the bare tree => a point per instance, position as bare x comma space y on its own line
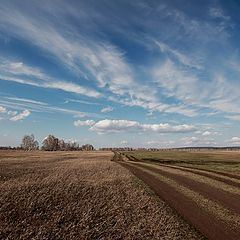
29, 143
50, 143
71, 145
62, 145
87, 147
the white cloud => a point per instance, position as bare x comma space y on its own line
217, 12
21, 115
166, 127
206, 133
160, 143
115, 126
106, 125
12, 113
2, 109
234, 117
124, 142
153, 142
175, 81
79, 123
235, 140
183, 59
197, 141
190, 140
107, 109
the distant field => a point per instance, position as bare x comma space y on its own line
203, 187
80, 195
215, 160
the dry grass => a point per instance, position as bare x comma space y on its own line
80, 195
228, 161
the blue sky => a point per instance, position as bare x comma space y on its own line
121, 73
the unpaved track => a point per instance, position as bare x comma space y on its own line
212, 226
231, 175
229, 200
226, 179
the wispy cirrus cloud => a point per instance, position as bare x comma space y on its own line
180, 57
26, 100
107, 109
160, 58
16, 103
217, 12
217, 93
90, 58
69, 100
24, 74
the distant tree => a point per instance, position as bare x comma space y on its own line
50, 143
72, 145
87, 147
29, 143
62, 145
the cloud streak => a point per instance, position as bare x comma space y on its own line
24, 74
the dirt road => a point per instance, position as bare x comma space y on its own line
208, 200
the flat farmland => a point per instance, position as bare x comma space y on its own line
203, 187
80, 195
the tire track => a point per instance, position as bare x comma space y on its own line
212, 226
217, 172
202, 179
230, 201
225, 179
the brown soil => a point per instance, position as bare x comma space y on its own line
212, 227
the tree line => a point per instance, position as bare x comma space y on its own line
52, 143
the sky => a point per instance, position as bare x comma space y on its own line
121, 73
